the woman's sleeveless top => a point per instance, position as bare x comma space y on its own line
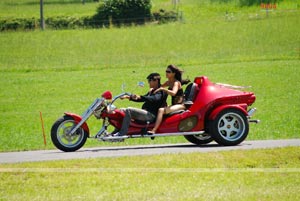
178, 98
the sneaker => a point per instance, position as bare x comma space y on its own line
115, 138
117, 134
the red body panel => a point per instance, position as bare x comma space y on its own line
209, 100
77, 119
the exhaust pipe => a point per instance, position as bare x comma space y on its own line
254, 121
251, 112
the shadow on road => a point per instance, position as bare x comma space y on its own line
150, 147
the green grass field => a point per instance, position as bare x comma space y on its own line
56, 71
271, 174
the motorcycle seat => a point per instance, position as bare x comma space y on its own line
189, 94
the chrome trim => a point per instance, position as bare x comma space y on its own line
109, 138
254, 121
232, 86
251, 112
87, 114
119, 96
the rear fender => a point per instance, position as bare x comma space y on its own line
217, 110
77, 119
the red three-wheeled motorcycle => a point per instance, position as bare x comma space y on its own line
218, 112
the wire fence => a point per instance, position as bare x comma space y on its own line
177, 13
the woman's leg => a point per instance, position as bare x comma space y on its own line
174, 108
163, 111
159, 118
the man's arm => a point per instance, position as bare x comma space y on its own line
153, 98
133, 97
137, 98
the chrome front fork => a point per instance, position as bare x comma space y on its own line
86, 115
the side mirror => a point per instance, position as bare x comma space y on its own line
141, 84
123, 87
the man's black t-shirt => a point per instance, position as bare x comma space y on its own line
153, 101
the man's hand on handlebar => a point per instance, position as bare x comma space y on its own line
133, 97
125, 97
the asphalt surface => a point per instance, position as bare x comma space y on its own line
100, 152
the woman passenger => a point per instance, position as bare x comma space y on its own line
174, 84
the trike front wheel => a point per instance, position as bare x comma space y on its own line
62, 139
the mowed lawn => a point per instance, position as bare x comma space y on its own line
65, 70
271, 174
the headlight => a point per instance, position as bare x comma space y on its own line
111, 108
97, 112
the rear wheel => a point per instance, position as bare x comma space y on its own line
62, 139
199, 139
230, 127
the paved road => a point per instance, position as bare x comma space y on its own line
98, 152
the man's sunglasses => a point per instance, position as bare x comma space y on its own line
151, 79
168, 71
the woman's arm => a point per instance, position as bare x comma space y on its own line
172, 92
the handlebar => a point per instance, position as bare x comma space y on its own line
119, 96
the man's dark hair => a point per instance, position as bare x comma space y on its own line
154, 76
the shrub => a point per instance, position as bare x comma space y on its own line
17, 23
120, 12
116, 12
61, 22
163, 16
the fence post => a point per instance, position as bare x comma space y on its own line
175, 3
42, 14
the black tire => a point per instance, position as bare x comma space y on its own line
230, 127
199, 139
67, 143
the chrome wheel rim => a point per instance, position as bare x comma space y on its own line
65, 138
231, 126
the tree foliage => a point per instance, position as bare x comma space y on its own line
120, 12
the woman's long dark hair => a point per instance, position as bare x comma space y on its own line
178, 74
